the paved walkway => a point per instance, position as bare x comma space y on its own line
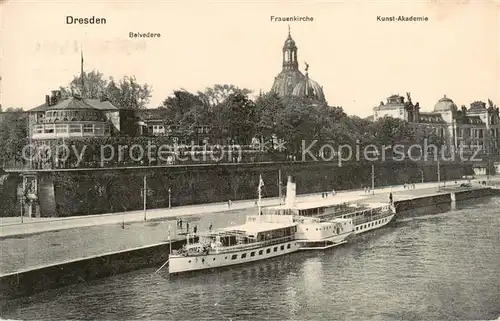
10, 226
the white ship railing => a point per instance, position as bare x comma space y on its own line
371, 218
374, 211
240, 247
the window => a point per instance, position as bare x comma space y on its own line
88, 129
260, 252
38, 129
234, 257
61, 129
75, 128
275, 249
268, 251
244, 255
282, 247
252, 254
288, 246
99, 129
49, 129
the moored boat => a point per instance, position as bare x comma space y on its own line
374, 216
312, 232
365, 217
261, 237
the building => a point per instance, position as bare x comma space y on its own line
465, 129
74, 116
290, 82
70, 117
157, 123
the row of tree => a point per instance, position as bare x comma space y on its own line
229, 112
233, 117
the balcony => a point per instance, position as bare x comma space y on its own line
70, 129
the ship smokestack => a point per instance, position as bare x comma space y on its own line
290, 193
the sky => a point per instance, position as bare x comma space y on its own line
358, 60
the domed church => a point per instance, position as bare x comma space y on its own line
290, 81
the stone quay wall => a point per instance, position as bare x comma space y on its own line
85, 192
36, 280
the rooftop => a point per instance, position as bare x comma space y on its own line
254, 228
329, 202
75, 103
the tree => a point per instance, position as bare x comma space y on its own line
127, 93
269, 110
393, 131
186, 109
13, 134
237, 114
92, 86
219, 93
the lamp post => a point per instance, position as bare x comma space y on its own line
22, 213
279, 186
373, 179
422, 175
439, 176
144, 195
169, 198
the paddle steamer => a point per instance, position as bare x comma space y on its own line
261, 237
313, 233
334, 209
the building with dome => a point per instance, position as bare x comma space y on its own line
465, 129
291, 82
74, 116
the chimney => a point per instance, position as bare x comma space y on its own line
290, 193
47, 100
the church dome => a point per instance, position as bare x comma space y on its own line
286, 81
444, 104
308, 88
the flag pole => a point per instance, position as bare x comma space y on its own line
81, 74
260, 193
169, 240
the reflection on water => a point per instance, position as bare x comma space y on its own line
431, 264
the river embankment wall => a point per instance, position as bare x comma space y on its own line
30, 281
98, 191
444, 197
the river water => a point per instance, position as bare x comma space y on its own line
430, 264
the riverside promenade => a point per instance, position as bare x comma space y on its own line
46, 241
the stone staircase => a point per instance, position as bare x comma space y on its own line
46, 197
